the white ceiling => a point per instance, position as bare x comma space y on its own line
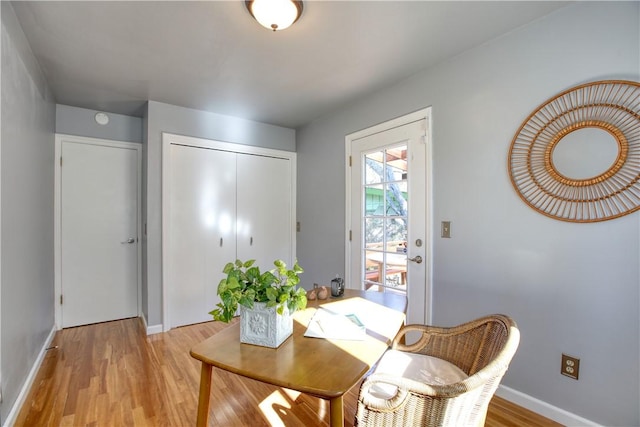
212, 55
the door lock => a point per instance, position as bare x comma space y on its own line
128, 241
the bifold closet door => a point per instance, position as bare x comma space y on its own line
202, 229
264, 222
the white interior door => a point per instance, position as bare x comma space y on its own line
264, 210
202, 232
98, 233
389, 248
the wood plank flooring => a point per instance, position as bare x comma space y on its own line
112, 374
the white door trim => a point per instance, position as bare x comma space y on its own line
59, 139
167, 140
424, 114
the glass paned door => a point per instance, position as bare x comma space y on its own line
385, 202
388, 249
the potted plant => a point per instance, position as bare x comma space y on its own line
266, 300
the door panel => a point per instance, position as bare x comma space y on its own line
264, 210
202, 232
388, 214
99, 236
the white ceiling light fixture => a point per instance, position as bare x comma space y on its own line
275, 15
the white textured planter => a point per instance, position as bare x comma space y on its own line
264, 326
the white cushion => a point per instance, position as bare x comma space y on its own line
418, 367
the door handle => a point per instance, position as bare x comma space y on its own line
417, 259
128, 241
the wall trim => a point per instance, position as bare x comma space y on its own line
543, 408
153, 329
28, 382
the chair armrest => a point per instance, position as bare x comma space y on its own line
406, 387
426, 333
377, 403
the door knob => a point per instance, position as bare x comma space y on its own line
417, 259
129, 241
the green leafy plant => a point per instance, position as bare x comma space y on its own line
245, 284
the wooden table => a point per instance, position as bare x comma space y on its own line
323, 368
396, 264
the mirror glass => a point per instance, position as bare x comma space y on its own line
585, 153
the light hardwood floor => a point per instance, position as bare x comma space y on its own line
112, 374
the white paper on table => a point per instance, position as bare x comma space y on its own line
329, 325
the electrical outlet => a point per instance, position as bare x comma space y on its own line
570, 366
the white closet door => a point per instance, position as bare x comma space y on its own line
202, 229
264, 209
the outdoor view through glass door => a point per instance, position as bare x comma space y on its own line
385, 219
389, 247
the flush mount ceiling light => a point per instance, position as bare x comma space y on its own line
275, 15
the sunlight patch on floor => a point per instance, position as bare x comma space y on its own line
275, 405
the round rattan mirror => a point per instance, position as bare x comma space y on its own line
577, 157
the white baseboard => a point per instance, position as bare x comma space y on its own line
26, 386
153, 329
543, 408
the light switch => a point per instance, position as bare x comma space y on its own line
446, 229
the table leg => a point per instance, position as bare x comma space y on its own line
336, 411
205, 394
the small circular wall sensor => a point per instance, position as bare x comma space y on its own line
101, 118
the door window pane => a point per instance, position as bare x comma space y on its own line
396, 198
373, 168
396, 234
396, 163
374, 200
374, 233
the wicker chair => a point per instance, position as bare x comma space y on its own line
482, 349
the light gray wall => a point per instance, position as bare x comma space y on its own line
28, 123
81, 121
572, 288
160, 118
